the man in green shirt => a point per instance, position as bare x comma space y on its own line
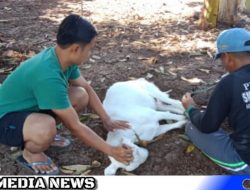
49, 86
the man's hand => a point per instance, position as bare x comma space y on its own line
187, 101
110, 124
122, 154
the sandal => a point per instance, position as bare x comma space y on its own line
21, 161
60, 141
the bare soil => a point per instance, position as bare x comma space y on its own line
158, 40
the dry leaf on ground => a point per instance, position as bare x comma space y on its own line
193, 81
190, 148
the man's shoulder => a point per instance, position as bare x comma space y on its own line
43, 63
226, 80
43, 53
42, 59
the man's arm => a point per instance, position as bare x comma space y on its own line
96, 105
217, 110
94, 101
71, 120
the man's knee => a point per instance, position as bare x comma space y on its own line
39, 128
79, 98
193, 133
48, 131
189, 129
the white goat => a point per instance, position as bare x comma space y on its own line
143, 105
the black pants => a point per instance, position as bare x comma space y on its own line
11, 127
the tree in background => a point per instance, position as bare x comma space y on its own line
220, 11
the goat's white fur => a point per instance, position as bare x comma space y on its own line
143, 105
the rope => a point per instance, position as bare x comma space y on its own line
207, 88
202, 90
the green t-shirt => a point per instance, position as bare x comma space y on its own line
38, 83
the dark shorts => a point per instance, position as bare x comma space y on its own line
11, 127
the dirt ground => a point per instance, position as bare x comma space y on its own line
158, 40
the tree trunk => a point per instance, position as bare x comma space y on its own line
220, 11
228, 11
208, 18
248, 6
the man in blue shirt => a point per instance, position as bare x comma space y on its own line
230, 99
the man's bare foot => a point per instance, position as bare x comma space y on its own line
39, 167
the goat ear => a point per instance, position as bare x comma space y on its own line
122, 140
127, 142
110, 170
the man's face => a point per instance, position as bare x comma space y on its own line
81, 54
227, 62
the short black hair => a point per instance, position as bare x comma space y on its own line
75, 29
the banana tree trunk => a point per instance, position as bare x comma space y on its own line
212, 7
220, 11
209, 14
